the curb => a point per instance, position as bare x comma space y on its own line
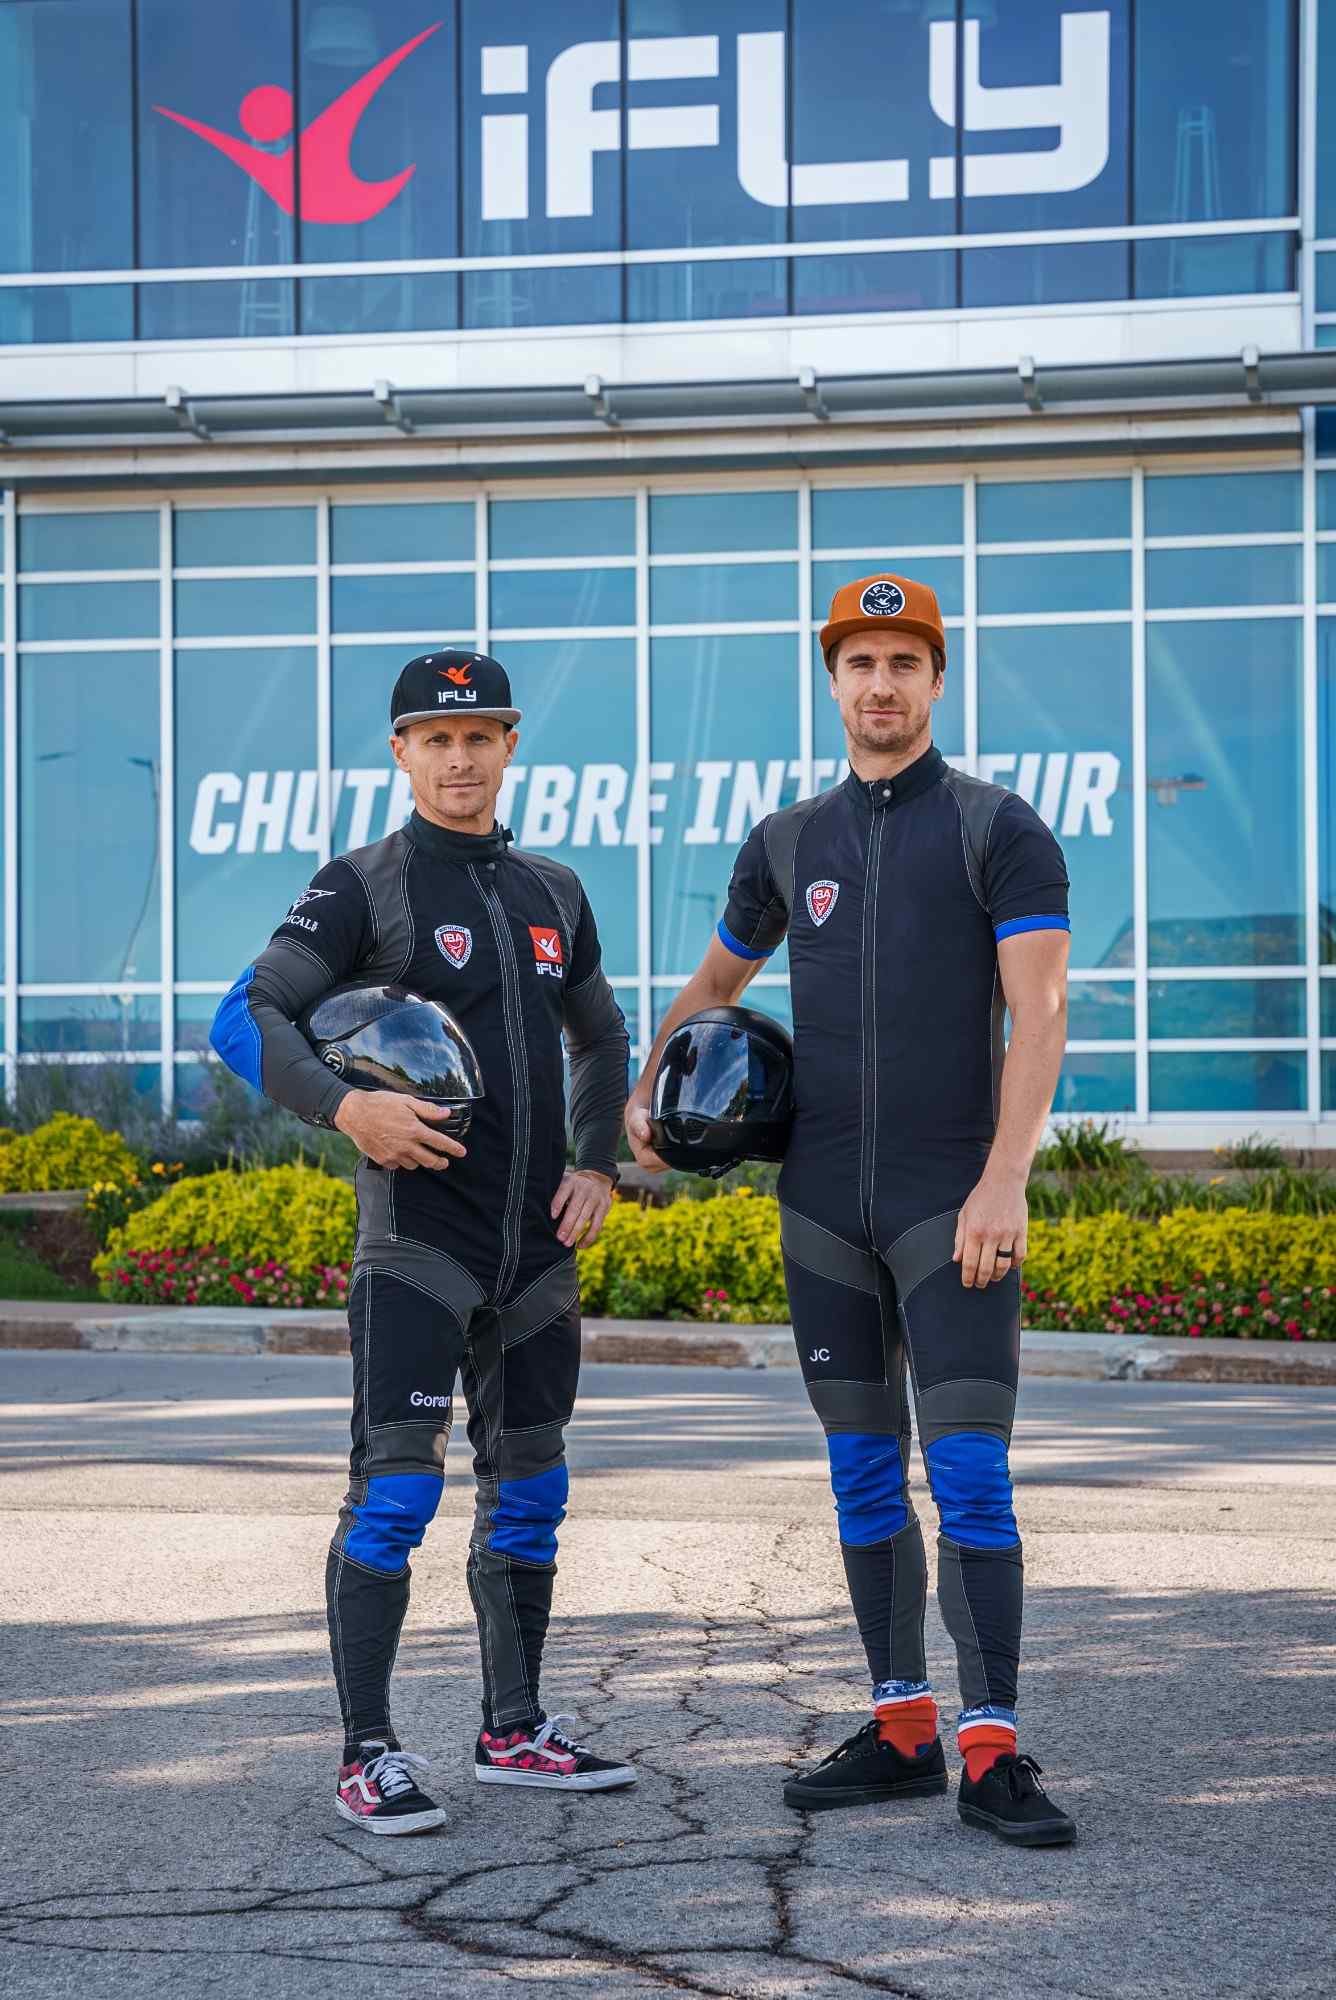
244, 1330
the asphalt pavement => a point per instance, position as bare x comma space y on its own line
172, 1730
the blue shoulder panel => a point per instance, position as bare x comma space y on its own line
1014, 925
735, 945
234, 1035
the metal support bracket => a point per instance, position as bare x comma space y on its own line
596, 390
1252, 374
183, 410
391, 408
809, 390
1029, 382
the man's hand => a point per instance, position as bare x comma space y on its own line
393, 1130
993, 1221
637, 1133
580, 1206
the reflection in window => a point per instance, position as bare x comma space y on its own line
1215, 111
1224, 756
1223, 503
430, 531
88, 541
77, 612
723, 593
94, 1023
869, 517
1053, 510
1228, 1080
32, 314
1326, 795
1101, 1010
217, 311
904, 281
1096, 580
247, 835
243, 537
727, 288
540, 600
89, 756
562, 528
220, 608
1210, 1009
1042, 274
1055, 724
1096, 1083
706, 523
1186, 267
1196, 578
404, 604
65, 150
416, 302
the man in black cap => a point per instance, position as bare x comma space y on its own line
465, 1256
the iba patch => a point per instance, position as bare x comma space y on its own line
882, 600
821, 901
546, 950
455, 944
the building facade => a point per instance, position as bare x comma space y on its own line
611, 338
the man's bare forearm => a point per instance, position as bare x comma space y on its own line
1029, 1079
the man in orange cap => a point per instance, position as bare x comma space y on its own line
919, 905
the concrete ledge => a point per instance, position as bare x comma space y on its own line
106, 1329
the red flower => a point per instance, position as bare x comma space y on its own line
1292, 1328
1195, 1332
1264, 1298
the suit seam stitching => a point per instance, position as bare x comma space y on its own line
370, 899
827, 1277
386, 1271
964, 852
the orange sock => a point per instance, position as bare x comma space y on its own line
908, 1726
982, 1744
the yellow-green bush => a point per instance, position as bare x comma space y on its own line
1087, 1260
662, 1260
291, 1215
66, 1152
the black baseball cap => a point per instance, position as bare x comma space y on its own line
451, 682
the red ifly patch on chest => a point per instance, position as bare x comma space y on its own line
547, 956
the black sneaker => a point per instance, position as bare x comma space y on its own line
864, 1771
377, 1791
545, 1755
1009, 1800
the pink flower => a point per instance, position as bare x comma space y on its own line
1194, 1332
1292, 1327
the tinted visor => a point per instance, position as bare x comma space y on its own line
710, 1070
413, 1046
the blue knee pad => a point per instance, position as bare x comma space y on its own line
868, 1479
971, 1483
528, 1513
390, 1523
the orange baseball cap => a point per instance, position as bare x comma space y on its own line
883, 603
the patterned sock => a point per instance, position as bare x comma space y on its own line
984, 1735
907, 1722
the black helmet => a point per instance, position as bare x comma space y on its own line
723, 1091
386, 1038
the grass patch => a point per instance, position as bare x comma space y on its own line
24, 1275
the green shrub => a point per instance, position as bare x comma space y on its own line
66, 1152
1089, 1261
293, 1216
662, 1259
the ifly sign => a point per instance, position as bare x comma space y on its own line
543, 125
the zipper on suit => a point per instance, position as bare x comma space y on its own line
868, 1148
514, 1019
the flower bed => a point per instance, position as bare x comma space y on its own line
207, 1278
276, 1231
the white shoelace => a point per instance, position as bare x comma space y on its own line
559, 1731
393, 1771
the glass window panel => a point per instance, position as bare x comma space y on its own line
399, 198
1224, 503
417, 302
828, 745
570, 794
89, 757
1210, 1009
1040, 274
215, 147
32, 314
905, 281
1326, 794
709, 696
1327, 993
1013, 177
1326, 498
723, 593
246, 833
1329, 1079
1186, 267
218, 309
687, 523
1324, 421
403, 603
1324, 336
1090, 581
1093, 1084
944, 574
194, 1018
244, 537
196, 1087
112, 1080
65, 140
1054, 510
1325, 135
96, 1023
1214, 110
82, 611
727, 288
1192, 577
370, 798
772, 1000
546, 598
1228, 1080
1225, 781
1324, 296
561, 528
430, 532
1326, 572
873, 517
1055, 724
517, 207
88, 541
1101, 1010
214, 607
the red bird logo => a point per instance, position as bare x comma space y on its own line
330, 190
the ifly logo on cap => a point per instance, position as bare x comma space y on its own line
882, 600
